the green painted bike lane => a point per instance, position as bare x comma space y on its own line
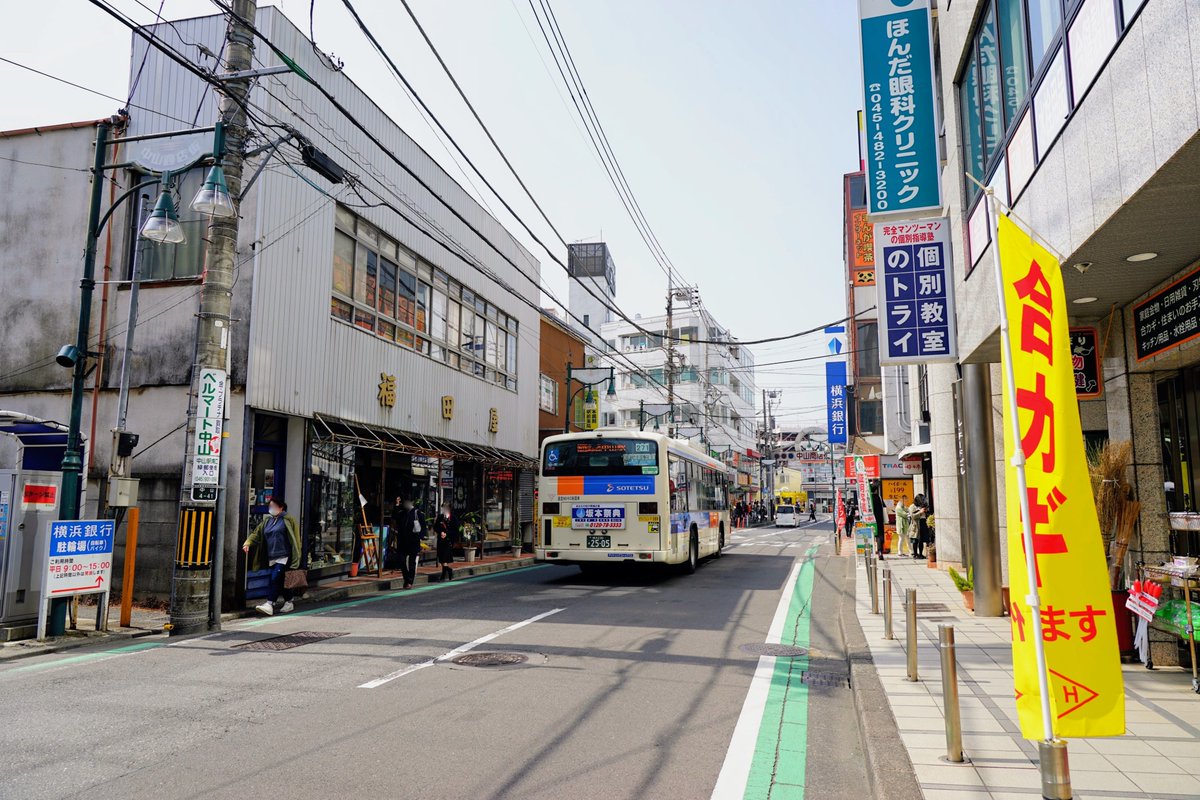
777, 769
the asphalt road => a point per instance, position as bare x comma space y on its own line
632, 685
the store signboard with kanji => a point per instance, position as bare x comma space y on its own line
916, 292
902, 166
210, 418
1085, 361
1079, 633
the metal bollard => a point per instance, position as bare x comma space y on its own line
887, 604
873, 577
1056, 772
910, 635
954, 751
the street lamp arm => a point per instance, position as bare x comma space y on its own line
116, 203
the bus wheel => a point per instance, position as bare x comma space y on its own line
721, 540
693, 561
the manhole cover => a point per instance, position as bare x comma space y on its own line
925, 608
288, 641
490, 659
836, 679
777, 650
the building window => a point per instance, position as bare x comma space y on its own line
870, 417
547, 394
167, 262
866, 342
383, 289
587, 321
1050, 49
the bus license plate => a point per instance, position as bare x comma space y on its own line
599, 541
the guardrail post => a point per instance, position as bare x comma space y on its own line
910, 634
887, 603
954, 751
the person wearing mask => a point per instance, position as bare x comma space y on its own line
904, 526
408, 540
446, 533
277, 547
880, 519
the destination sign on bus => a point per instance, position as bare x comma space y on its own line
594, 516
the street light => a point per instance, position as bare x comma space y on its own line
213, 198
163, 224
165, 229
574, 374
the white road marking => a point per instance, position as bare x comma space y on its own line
458, 651
731, 782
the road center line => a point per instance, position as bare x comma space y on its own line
731, 782
458, 651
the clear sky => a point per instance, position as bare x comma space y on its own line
733, 122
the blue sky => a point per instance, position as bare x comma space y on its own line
733, 122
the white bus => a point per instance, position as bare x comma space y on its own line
617, 495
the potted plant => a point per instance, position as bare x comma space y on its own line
469, 535
931, 548
965, 585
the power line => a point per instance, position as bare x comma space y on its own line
636, 213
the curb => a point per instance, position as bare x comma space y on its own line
890, 773
71, 643
379, 586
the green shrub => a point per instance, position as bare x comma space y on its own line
966, 584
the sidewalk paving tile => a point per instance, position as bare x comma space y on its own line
1159, 757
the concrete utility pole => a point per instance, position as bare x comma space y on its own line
670, 357
196, 587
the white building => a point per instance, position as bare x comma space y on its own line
713, 382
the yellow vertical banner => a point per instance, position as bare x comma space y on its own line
1078, 629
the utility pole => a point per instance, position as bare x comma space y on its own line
196, 587
670, 356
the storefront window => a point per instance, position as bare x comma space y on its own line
498, 503
333, 509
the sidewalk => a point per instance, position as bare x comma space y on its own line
1159, 757
149, 622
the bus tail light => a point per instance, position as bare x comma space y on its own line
644, 556
650, 507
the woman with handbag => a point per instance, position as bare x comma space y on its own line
446, 533
277, 547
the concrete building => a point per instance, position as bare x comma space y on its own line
713, 382
369, 353
1083, 116
593, 289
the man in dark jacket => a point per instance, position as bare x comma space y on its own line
408, 534
880, 518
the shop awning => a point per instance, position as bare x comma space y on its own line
916, 450
329, 429
43, 442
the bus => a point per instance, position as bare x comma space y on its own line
614, 495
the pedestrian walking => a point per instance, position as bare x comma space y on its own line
880, 520
446, 534
920, 516
277, 547
903, 526
409, 533
812, 511
851, 516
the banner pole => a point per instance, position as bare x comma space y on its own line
1018, 462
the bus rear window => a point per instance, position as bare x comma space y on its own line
601, 457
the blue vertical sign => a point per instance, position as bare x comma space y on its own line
915, 280
902, 169
835, 404
835, 383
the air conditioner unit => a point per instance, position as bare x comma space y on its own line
630, 423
